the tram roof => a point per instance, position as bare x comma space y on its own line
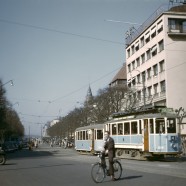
153, 112
92, 126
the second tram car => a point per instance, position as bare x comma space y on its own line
139, 135
89, 138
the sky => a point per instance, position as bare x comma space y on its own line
53, 50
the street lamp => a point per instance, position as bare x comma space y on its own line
10, 81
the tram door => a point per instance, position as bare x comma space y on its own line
146, 135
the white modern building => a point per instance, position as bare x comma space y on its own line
156, 58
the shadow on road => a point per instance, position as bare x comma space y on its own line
25, 153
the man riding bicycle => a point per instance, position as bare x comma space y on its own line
109, 150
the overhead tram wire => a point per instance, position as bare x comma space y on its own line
85, 86
58, 31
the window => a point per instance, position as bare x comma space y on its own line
148, 54
177, 25
137, 46
99, 134
140, 127
149, 92
129, 68
81, 135
160, 126
138, 79
138, 62
120, 128
139, 95
128, 52
154, 50
127, 128
84, 135
171, 125
155, 70
113, 129
147, 37
172, 24
161, 45
162, 66
160, 26
132, 49
133, 65
153, 32
134, 82
156, 89
163, 86
151, 126
149, 73
143, 77
134, 127
143, 58
142, 41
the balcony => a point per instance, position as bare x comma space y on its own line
178, 30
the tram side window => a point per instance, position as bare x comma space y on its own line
160, 126
113, 129
127, 128
89, 133
140, 127
120, 128
171, 125
99, 134
86, 135
83, 135
151, 126
134, 127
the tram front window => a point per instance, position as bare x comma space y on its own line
99, 134
160, 126
171, 125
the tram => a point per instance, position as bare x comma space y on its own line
89, 138
142, 134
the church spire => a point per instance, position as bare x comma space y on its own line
89, 95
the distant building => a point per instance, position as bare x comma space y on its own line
53, 122
155, 58
120, 78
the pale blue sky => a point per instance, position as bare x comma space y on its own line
53, 50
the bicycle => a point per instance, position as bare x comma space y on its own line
100, 171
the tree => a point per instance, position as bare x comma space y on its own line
98, 109
10, 124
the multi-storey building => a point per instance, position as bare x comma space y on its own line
156, 58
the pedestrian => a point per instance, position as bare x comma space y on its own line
109, 150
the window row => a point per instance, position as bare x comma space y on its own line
150, 34
87, 135
151, 92
146, 56
155, 126
148, 74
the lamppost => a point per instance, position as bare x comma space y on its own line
10, 81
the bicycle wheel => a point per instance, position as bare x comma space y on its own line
97, 173
117, 170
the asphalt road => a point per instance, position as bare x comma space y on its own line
56, 166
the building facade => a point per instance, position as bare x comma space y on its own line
156, 59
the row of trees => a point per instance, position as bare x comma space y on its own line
98, 109
10, 124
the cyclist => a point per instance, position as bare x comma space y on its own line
109, 150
